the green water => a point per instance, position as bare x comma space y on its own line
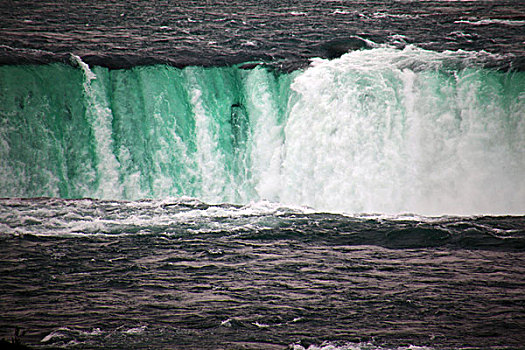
145, 132
337, 136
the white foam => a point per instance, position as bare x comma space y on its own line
210, 161
260, 325
138, 217
394, 15
380, 131
267, 138
355, 346
481, 22
64, 332
226, 323
135, 331
342, 12
55, 334
100, 116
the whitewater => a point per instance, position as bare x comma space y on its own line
375, 131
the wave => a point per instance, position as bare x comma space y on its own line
489, 21
379, 130
355, 346
182, 218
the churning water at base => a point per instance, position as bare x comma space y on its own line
380, 130
182, 274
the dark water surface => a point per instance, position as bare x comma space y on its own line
286, 33
185, 275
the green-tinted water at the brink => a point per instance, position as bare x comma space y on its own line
345, 135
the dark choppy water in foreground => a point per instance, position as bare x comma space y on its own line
185, 275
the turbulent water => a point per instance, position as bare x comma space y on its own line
262, 175
182, 274
381, 130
